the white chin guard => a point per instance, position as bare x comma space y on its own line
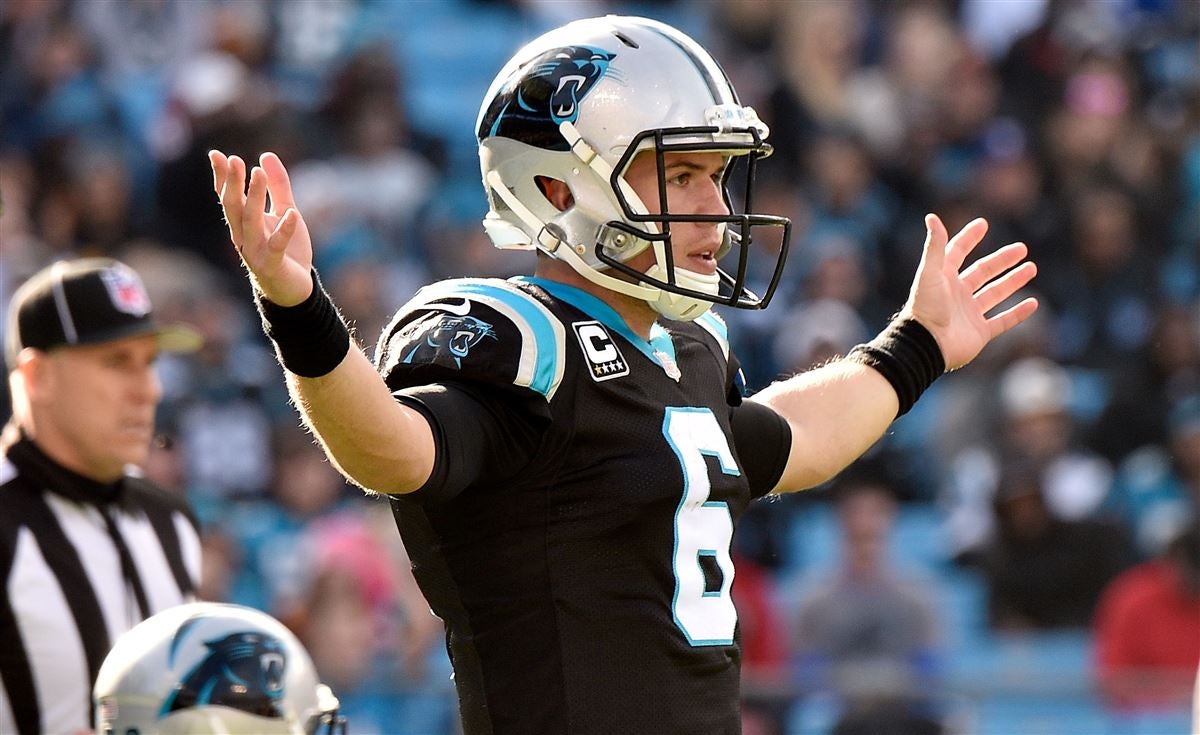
683, 308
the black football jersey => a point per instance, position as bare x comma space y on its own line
575, 535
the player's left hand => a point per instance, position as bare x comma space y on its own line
952, 303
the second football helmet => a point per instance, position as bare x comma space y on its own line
213, 669
577, 105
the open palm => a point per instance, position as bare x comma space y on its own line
953, 303
273, 243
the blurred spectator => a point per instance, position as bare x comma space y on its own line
848, 201
361, 542
818, 46
1148, 629
964, 121
819, 330
214, 100
140, 40
866, 633
368, 628
369, 287
1144, 389
1010, 185
765, 694
373, 178
968, 411
1101, 290
1094, 113
225, 400
99, 188
836, 267
1158, 487
746, 38
1043, 572
272, 533
1037, 430
1179, 273
994, 26
219, 563
339, 632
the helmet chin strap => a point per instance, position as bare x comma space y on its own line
677, 306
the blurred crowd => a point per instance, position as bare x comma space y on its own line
1059, 475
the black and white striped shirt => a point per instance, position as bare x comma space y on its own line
81, 563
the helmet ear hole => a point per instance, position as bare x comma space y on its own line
556, 192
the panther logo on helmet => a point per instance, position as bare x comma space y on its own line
244, 671
212, 669
545, 93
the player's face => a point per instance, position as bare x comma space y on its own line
98, 405
693, 187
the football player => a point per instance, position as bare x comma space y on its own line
569, 452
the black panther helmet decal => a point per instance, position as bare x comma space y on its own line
244, 671
544, 93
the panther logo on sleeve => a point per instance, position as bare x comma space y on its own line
479, 330
544, 93
456, 333
244, 671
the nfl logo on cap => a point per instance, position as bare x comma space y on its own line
86, 301
126, 290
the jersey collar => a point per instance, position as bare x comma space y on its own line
659, 349
50, 476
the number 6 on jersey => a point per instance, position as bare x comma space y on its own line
703, 528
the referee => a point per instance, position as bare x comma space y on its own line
87, 547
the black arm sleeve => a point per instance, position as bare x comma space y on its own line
477, 435
763, 440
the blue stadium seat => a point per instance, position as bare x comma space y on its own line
1050, 715
1033, 663
917, 544
1150, 723
814, 538
961, 599
919, 538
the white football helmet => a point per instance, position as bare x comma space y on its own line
215, 669
576, 105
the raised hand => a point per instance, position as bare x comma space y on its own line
953, 305
273, 243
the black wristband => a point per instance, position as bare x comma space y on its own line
907, 355
310, 338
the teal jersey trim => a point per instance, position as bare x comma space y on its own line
715, 326
660, 339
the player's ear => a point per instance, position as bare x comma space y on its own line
32, 374
556, 192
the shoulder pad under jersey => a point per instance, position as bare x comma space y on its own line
476, 330
712, 323
735, 381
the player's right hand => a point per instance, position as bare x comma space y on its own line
274, 244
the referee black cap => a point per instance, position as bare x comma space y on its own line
85, 302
